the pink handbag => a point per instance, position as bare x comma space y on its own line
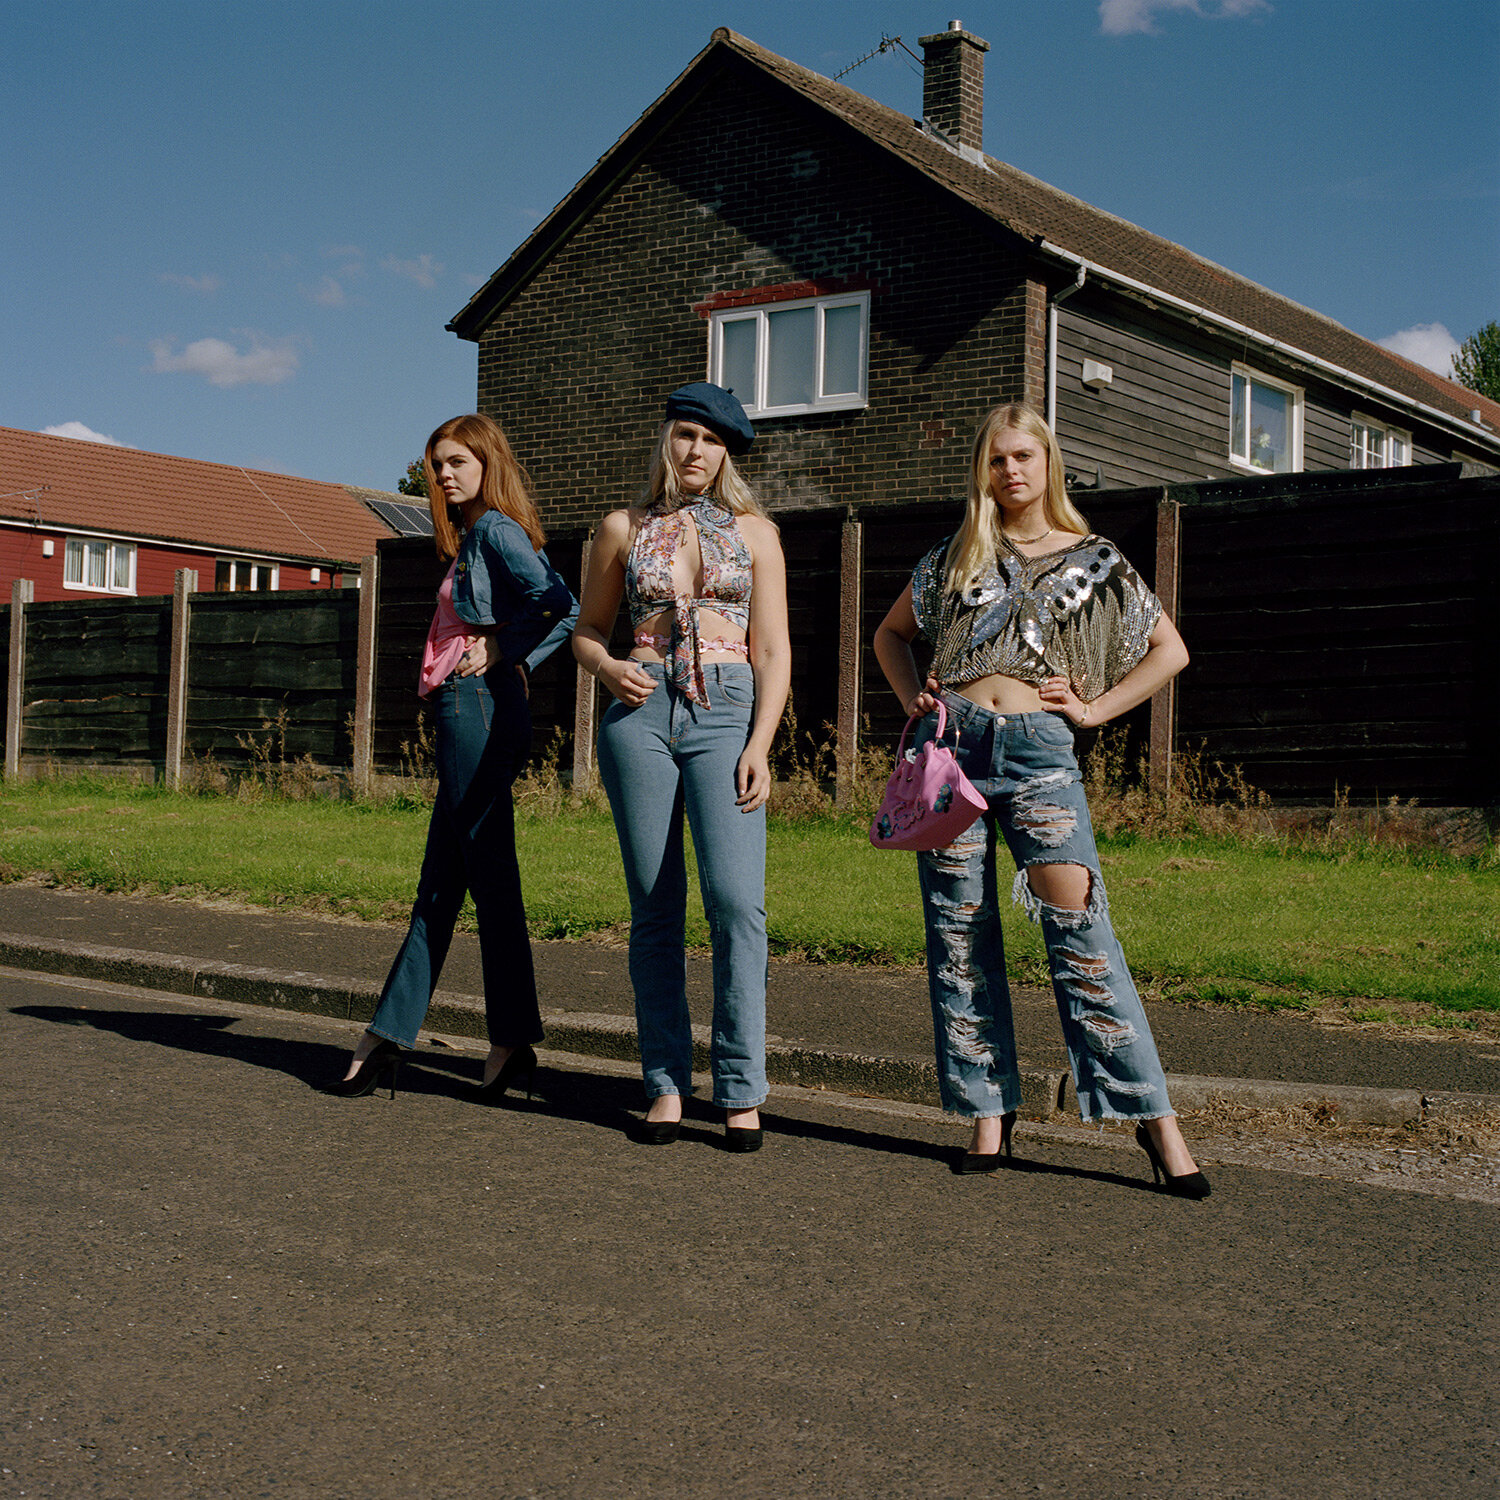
928, 800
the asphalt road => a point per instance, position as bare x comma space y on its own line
220, 1282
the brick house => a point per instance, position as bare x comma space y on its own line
873, 283
83, 519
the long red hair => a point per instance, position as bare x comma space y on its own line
505, 487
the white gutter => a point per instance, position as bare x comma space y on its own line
1440, 418
1061, 297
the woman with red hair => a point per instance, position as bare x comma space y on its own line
501, 611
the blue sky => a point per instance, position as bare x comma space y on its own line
235, 230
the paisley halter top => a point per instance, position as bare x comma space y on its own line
727, 574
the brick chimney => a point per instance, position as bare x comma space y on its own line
953, 84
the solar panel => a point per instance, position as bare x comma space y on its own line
406, 520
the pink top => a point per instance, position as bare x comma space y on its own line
447, 639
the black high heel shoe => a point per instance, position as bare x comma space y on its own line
1185, 1185
743, 1139
988, 1161
381, 1066
521, 1060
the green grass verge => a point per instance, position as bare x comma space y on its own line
1208, 919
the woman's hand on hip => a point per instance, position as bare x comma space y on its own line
752, 780
479, 656
1058, 697
628, 680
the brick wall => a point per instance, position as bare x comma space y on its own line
751, 190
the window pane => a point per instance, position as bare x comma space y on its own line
1238, 401
122, 569
1270, 429
737, 364
841, 351
1362, 456
73, 562
793, 340
94, 552
223, 575
1400, 453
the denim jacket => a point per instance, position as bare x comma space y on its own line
500, 582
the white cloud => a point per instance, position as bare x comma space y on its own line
1428, 344
267, 362
1124, 17
424, 270
351, 256
78, 430
327, 293
205, 286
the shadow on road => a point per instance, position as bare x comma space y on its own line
587, 1098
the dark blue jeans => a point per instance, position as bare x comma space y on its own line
483, 739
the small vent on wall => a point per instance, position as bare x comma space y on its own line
1096, 376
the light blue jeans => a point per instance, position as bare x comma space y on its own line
1023, 765
661, 760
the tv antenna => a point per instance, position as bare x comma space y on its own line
887, 44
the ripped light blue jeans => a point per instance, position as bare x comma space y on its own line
1023, 766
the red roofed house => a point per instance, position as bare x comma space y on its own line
81, 518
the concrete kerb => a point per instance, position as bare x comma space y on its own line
910, 1080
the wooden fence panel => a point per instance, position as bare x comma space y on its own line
279, 676
95, 681
1347, 640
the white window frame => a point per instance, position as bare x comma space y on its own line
1256, 377
759, 312
82, 547
247, 562
1382, 451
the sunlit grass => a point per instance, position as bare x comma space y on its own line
1212, 919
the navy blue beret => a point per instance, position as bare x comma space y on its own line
715, 408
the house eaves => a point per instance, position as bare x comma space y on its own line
1054, 223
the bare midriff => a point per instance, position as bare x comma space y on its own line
1001, 695
720, 639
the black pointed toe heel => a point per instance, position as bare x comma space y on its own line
658, 1132
380, 1067
742, 1139
521, 1062
1185, 1185
988, 1161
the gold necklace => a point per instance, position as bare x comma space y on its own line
1026, 541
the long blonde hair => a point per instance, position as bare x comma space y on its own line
976, 543
663, 492
506, 486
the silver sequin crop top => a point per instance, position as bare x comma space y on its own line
1082, 613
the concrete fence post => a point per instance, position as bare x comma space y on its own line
851, 660
1164, 702
362, 768
22, 592
583, 700
184, 584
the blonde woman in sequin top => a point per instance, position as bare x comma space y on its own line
697, 701
1038, 627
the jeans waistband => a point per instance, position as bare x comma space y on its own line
965, 713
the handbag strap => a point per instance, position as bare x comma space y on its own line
942, 727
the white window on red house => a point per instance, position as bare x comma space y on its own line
1373, 445
784, 358
1265, 423
240, 575
103, 566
